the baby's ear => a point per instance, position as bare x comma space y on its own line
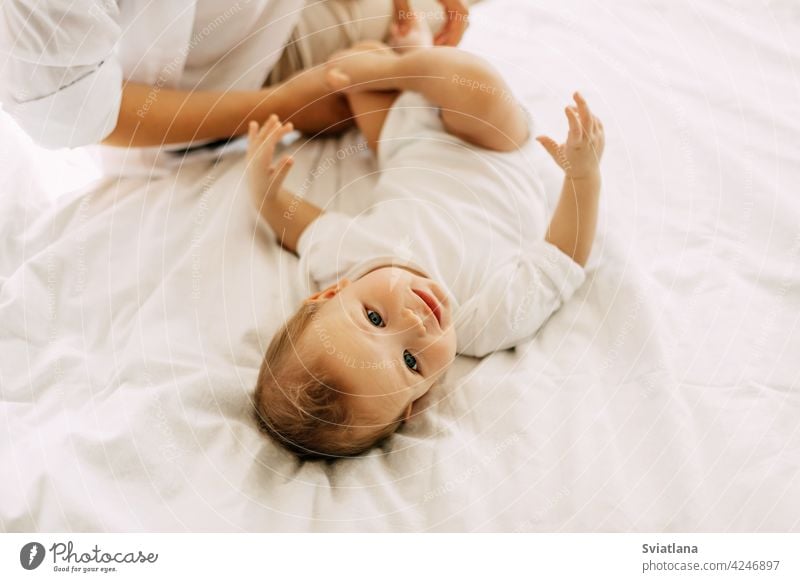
329, 292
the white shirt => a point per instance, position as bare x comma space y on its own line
62, 62
472, 219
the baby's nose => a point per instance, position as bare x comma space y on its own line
415, 322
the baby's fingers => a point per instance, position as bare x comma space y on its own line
273, 132
269, 126
252, 133
286, 128
574, 124
586, 116
256, 137
269, 136
552, 147
280, 171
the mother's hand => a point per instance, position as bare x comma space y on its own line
456, 14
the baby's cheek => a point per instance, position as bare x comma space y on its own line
446, 348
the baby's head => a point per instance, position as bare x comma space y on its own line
344, 371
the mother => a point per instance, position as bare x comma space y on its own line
168, 72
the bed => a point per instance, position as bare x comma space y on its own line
664, 396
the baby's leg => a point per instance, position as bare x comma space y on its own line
476, 103
370, 109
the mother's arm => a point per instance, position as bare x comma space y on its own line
152, 116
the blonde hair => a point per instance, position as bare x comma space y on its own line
302, 408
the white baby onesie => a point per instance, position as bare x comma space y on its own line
472, 219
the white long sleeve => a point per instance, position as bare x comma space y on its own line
60, 78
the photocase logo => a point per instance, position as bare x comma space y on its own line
31, 555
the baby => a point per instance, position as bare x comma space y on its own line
452, 258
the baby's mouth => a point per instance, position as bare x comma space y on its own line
432, 304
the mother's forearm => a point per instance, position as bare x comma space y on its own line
151, 116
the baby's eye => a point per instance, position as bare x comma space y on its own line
375, 318
410, 361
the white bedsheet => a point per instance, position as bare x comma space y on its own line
664, 396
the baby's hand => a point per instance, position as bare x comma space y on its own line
580, 156
265, 177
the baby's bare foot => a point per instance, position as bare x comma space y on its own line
360, 67
413, 34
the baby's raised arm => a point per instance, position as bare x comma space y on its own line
574, 221
287, 214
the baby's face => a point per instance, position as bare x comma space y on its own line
386, 338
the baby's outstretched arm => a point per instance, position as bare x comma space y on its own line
574, 222
287, 214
